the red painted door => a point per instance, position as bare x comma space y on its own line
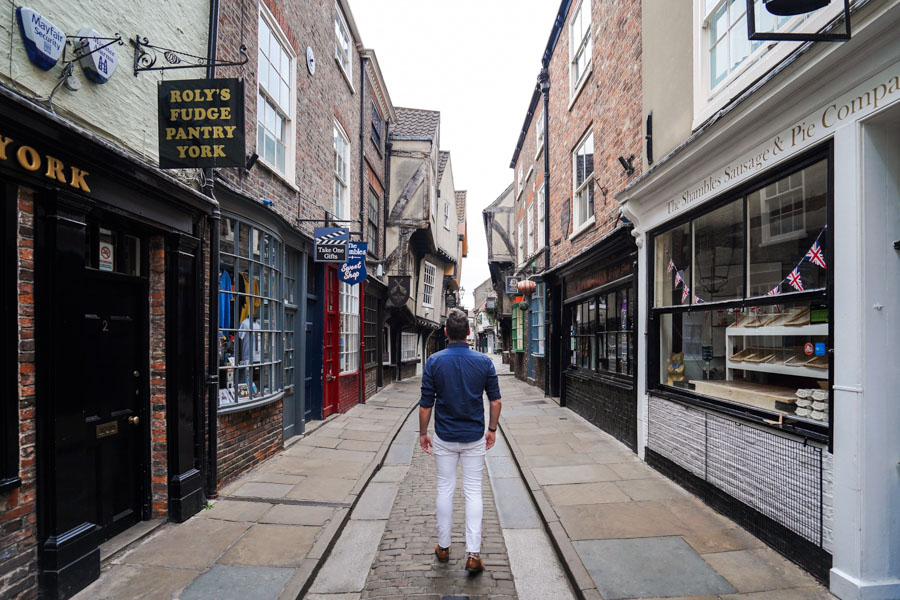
331, 351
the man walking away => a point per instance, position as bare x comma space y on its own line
455, 380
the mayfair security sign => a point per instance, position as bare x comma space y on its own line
43, 40
201, 123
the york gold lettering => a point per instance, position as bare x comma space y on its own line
29, 158
218, 151
77, 180
4, 142
204, 152
55, 169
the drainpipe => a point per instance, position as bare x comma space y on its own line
212, 380
362, 220
544, 81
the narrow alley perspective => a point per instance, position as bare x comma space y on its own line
347, 512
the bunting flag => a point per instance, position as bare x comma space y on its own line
685, 292
774, 291
698, 300
678, 279
671, 266
794, 280
815, 255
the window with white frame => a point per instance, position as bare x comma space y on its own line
520, 248
341, 173
520, 182
446, 215
539, 133
274, 91
541, 209
386, 345
408, 342
580, 45
537, 321
583, 181
343, 47
529, 212
729, 49
428, 287
349, 305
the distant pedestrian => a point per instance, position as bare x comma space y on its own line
455, 380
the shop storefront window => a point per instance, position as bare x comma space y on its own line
601, 333
537, 321
349, 328
371, 332
518, 329
766, 344
251, 330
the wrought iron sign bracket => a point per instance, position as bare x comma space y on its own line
80, 48
146, 55
827, 35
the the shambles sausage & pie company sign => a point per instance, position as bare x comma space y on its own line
201, 123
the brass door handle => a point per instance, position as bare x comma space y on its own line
134, 420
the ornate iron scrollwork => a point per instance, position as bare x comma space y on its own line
146, 56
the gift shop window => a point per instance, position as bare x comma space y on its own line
601, 333
349, 299
741, 300
251, 330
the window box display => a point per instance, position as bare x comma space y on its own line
741, 301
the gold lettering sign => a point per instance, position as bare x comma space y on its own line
33, 161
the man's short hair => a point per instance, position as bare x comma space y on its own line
457, 324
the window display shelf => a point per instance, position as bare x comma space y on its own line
781, 369
802, 330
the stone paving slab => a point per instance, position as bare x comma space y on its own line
535, 568
344, 571
376, 502
225, 582
639, 568
514, 504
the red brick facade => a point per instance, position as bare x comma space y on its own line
159, 481
18, 517
247, 439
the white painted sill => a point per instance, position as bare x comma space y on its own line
340, 68
582, 228
580, 87
271, 169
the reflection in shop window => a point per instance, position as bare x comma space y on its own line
251, 330
767, 348
601, 333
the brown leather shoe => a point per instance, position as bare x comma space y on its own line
473, 565
443, 554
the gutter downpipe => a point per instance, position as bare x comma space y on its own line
212, 379
544, 82
362, 219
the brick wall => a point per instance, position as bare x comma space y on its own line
612, 408
371, 381
610, 105
517, 364
247, 438
158, 451
348, 391
408, 369
18, 533
776, 475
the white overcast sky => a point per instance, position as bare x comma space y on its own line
476, 61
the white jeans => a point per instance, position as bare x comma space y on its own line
471, 455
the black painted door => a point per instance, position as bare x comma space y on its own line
112, 380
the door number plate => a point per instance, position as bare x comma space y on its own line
107, 429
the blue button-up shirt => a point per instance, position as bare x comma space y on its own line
455, 380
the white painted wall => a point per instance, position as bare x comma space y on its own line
122, 110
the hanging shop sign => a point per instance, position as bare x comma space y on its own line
353, 270
99, 59
451, 300
331, 244
398, 290
491, 302
44, 41
201, 123
512, 284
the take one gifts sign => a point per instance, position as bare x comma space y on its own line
353, 270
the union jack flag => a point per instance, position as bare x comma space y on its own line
816, 256
685, 292
774, 291
698, 300
678, 279
795, 281
671, 266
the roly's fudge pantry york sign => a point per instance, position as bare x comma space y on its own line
201, 123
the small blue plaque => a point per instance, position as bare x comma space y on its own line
820, 349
